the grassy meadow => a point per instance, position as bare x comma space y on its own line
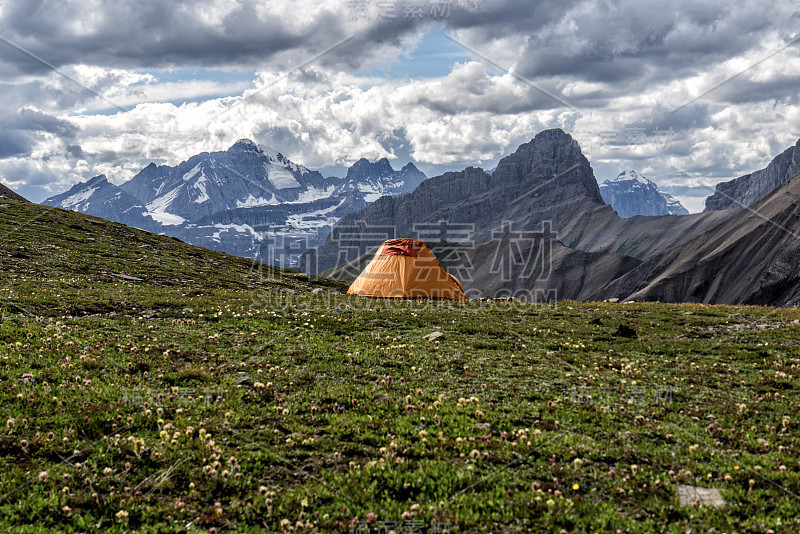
150, 386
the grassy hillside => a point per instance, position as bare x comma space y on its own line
152, 386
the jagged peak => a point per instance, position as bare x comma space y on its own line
630, 175
363, 165
244, 143
552, 133
97, 179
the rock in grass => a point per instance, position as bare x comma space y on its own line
625, 331
696, 496
433, 335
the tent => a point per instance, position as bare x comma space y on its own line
406, 268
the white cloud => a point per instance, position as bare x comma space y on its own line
625, 66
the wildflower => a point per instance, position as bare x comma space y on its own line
122, 515
43, 476
107, 471
551, 503
576, 487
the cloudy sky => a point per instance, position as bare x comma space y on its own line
688, 93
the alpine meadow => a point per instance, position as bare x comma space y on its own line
399, 267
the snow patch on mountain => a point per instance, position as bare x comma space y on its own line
280, 177
313, 219
312, 193
238, 228
167, 219
160, 204
191, 174
252, 201
73, 202
200, 186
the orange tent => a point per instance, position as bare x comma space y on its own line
406, 268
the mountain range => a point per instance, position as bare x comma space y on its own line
537, 227
249, 200
753, 258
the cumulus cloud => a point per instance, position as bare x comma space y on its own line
686, 92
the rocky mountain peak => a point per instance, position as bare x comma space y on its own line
631, 194
244, 144
625, 176
747, 189
552, 160
97, 180
364, 167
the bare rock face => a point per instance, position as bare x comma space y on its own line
547, 179
536, 269
747, 189
753, 257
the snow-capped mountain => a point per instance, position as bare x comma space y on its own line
631, 194
249, 200
101, 198
378, 179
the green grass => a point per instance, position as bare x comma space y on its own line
241, 402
